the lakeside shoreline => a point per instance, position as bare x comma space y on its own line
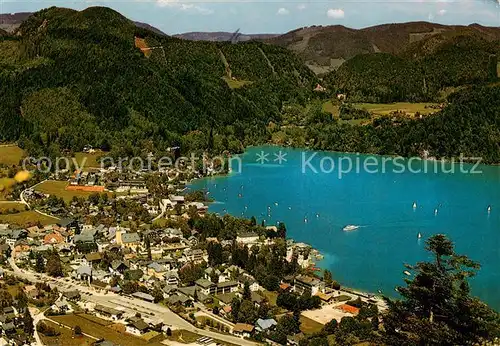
425, 212
317, 253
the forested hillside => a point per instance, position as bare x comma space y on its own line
222, 36
325, 48
420, 71
468, 125
71, 78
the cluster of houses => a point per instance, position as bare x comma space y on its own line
157, 263
98, 180
11, 319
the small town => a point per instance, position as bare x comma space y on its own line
249, 173
136, 259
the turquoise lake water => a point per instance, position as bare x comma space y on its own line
316, 204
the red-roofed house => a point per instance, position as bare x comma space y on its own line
53, 238
284, 286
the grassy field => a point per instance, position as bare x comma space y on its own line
383, 108
308, 326
101, 329
27, 218
271, 297
236, 84
387, 108
66, 337
329, 107
8, 206
90, 160
187, 337
14, 289
184, 336
57, 188
11, 154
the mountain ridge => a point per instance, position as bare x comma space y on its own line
74, 78
10, 22
221, 36
325, 48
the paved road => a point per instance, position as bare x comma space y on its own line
37, 317
126, 304
205, 312
23, 200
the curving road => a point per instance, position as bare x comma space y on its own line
127, 304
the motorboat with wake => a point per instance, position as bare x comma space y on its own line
350, 228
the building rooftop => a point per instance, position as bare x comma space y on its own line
204, 283
130, 238
227, 284
107, 310
265, 324
243, 327
142, 295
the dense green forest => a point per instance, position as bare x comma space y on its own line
71, 78
468, 125
419, 72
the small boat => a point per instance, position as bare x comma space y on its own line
489, 208
379, 291
305, 220
406, 272
289, 208
276, 203
419, 235
414, 205
349, 228
240, 195
435, 211
317, 215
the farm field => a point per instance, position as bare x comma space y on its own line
58, 188
90, 159
387, 108
101, 329
65, 337
7, 207
384, 108
11, 154
27, 218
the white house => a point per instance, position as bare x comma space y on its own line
137, 327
